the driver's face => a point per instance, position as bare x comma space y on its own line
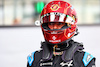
55, 25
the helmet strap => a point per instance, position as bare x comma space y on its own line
76, 33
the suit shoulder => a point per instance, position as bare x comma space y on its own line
34, 57
88, 58
84, 58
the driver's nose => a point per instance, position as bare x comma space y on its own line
55, 26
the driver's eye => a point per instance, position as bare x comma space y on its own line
51, 23
60, 23
54, 23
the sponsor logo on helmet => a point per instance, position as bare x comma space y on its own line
69, 34
54, 39
53, 32
54, 7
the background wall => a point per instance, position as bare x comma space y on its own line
26, 12
17, 43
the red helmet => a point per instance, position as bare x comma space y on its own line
62, 12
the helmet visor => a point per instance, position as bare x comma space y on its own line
55, 26
56, 19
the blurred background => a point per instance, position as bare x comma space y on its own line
19, 36
26, 12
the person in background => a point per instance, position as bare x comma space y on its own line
59, 26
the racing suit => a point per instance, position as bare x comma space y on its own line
73, 56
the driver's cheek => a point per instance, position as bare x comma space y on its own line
60, 26
55, 27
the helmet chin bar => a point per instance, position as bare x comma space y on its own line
58, 36
66, 41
